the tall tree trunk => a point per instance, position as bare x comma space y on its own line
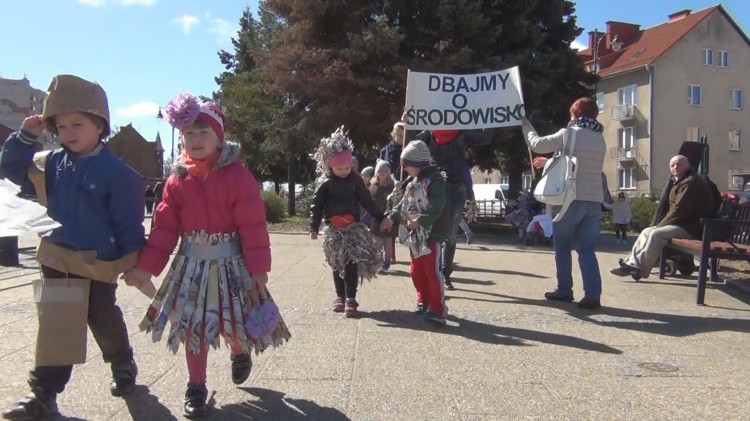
292, 179
515, 180
276, 186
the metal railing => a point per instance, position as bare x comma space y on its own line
623, 112
624, 153
491, 208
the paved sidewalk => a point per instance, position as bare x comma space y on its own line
651, 353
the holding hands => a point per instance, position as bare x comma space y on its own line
136, 277
386, 224
33, 124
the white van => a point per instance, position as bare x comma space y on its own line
491, 199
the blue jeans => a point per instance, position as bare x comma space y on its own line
456, 194
579, 228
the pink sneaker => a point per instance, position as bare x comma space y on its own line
338, 305
351, 308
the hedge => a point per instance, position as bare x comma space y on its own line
275, 206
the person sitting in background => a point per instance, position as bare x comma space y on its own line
689, 201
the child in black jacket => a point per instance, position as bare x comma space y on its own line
348, 246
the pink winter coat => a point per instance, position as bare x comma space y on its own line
227, 201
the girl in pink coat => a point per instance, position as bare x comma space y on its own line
216, 285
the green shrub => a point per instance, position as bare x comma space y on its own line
275, 206
643, 209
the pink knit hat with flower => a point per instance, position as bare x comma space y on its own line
341, 158
186, 109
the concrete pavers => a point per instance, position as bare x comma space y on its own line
650, 353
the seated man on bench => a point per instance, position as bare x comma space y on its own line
689, 201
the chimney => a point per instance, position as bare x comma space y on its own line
678, 15
627, 33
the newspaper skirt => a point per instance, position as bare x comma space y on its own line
352, 244
207, 294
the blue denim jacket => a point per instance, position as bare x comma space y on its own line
98, 199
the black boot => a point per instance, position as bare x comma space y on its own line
123, 378
36, 405
447, 277
195, 401
241, 366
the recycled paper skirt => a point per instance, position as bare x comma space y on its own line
352, 244
208, 293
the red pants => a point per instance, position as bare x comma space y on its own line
428, 280
197, 363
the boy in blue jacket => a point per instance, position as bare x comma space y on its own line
100, 203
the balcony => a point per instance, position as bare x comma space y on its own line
623, 112
627, 157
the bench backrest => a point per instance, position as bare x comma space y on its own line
741, 232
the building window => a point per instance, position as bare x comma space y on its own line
627, 138
627, 95
694, 95
693, 134
723, 58
735, 99
736, 183
600, 101
504, 179
735, 140
626, 178
526, 182
708, 57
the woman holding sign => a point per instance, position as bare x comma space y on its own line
582, 139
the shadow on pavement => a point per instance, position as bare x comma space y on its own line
675, 325
143, 406
471, 281
272, 405
497, 271
485, 332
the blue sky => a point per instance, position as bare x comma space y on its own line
144, 52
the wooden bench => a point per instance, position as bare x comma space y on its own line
710, 250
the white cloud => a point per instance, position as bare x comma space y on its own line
577, 45
93, 3
222, 28
186, 22
139, 109
138, 2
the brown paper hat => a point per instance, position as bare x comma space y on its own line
70, 94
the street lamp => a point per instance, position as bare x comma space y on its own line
160, 117
615, 46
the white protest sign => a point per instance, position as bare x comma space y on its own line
479, 101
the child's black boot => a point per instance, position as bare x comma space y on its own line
195, 401
36, 405
123, 378
241, 367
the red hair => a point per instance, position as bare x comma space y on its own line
584, 107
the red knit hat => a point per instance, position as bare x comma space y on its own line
214, 117
186, 109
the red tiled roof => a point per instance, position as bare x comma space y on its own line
649, 44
